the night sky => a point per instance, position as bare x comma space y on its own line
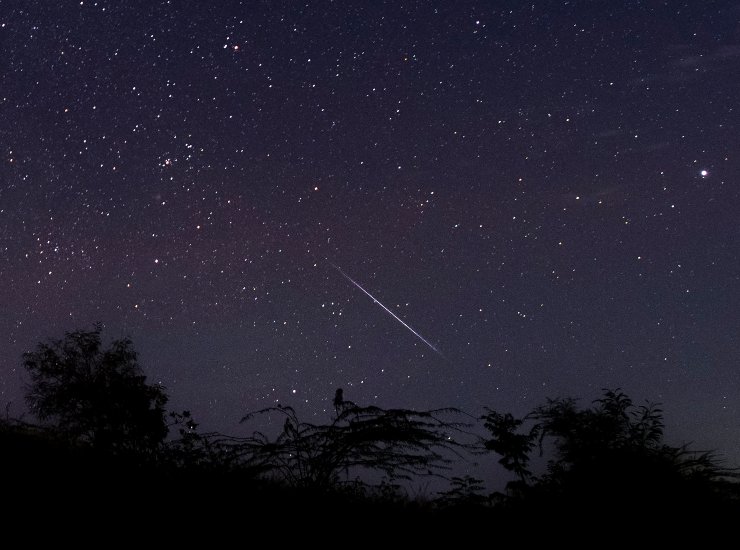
545, 192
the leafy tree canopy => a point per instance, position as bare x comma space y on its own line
613, 449
94, 395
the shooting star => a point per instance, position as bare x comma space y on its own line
396, 317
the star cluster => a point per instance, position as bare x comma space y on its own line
547, 192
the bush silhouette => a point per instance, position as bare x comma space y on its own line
608, 456
100, 417
95, 396
395, 443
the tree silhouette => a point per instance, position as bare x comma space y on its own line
613, 450
465, 491
96, 396
609, 457
396, 443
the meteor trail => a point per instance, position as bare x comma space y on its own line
396, 317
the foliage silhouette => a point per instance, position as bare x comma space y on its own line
96, 396
609, 457
613, 452
396, 443
464, 492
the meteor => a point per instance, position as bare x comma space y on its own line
396, 317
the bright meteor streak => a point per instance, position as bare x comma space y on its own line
396, 317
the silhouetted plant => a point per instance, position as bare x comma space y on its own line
397, 443
614, 447
464, 491
210, 451
96, 396
513, 447
612, 452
